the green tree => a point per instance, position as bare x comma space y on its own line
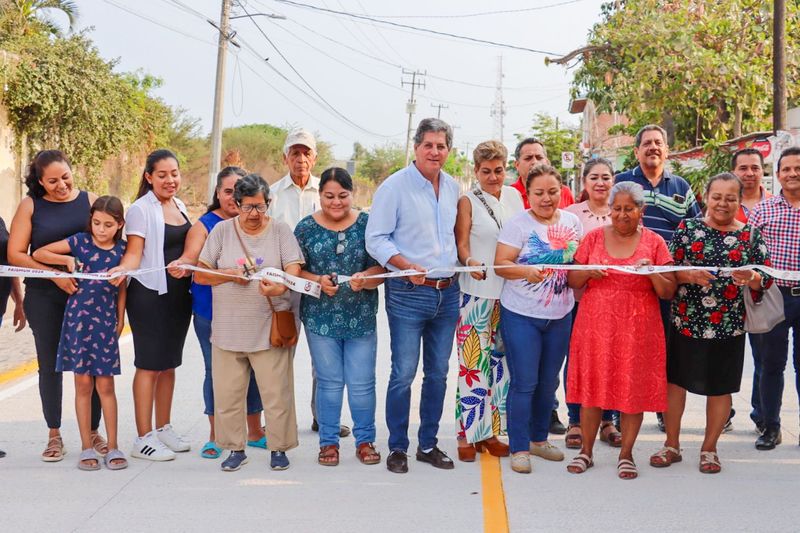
702, 69
556, 137
27, 17
379, 163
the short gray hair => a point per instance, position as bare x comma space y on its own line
650, 127
433, 125
632, 189
249, 186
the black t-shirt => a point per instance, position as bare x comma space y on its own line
5, 283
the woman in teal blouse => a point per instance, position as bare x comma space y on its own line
340, 325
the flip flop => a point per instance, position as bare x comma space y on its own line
210, 451
260, 443
117, 455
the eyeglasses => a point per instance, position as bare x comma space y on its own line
247, 208
340, 246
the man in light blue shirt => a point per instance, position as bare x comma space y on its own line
411, 226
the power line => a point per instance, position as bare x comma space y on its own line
415, 28
479, 14
380, 34
291, 66
158, 23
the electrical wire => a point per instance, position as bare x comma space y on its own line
313, 90
417, 29
479, 14
158, 23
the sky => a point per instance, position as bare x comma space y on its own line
352, 64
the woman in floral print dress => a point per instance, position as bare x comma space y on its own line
706, 348
482, 373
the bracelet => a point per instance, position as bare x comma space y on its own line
466, 263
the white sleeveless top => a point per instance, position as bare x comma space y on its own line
483, 239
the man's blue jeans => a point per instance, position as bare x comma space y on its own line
773, 350
340, 362
535, 350
418, 315
202, 328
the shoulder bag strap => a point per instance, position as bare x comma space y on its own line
247, 256
479, 195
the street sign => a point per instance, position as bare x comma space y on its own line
567, 159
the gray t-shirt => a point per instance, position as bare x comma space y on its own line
241, 315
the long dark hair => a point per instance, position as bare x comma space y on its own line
110, 205
149, 166
339, 175
224, 173
35, 169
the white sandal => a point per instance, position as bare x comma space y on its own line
626, 466
580, 464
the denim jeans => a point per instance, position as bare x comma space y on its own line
535, 350
773, 349
202, 328
340, 362
418, 315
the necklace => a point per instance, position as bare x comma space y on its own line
602, 216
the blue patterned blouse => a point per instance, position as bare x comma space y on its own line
348, 314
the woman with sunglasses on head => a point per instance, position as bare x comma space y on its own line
340, 325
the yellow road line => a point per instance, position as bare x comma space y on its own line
31, 366
19, 371
495, 516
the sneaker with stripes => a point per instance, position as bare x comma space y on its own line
151, 448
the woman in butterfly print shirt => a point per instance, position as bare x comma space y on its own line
535, 312
93, 320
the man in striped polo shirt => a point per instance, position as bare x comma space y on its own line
668, 197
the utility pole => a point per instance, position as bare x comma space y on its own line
411, 106
779, 66
440, 107
498, 107
219, 94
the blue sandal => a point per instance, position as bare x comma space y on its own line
210, 451
260, 443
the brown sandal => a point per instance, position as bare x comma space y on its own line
367, 454
328, 455
609, 434
55, 450
573, 438
99, 443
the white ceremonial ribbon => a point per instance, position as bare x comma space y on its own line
294, 283
642, 270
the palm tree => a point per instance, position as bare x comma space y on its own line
33, 16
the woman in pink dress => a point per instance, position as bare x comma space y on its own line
617, 352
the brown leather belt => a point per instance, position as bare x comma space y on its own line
439, 283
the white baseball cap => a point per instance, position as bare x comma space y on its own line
299, 136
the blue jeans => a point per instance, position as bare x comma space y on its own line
202, 328
773, 350
340, 362
535, 350
418, 315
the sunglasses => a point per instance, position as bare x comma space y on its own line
340, 246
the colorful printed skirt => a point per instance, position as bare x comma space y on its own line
482, 374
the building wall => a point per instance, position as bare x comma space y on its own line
10, 176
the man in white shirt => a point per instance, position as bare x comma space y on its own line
292, 198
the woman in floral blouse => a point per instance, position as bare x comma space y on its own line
706, 348
340, 324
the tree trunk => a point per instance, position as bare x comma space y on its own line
737, 121
669, 125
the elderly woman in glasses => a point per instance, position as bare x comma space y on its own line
245, 244
340, 324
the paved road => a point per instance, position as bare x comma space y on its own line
757, 490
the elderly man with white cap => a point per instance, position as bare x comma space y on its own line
294, 197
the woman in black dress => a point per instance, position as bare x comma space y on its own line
159, 306
53, 210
